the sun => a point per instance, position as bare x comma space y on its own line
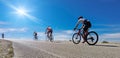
21, 11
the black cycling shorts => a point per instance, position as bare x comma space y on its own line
85, 28
50, 31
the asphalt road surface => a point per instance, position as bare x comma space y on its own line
60, 49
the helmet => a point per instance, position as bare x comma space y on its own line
80, 17
48, 27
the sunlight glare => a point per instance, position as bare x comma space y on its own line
21, 11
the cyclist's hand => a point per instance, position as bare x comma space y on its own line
74, 29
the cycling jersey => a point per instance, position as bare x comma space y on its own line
49, 28
83, 21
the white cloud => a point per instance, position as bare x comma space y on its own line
3, 30
68, 31
112, 35
106, 27
41, 35
61, 35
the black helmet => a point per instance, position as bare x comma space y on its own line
80, 17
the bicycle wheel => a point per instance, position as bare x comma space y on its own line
51, 38
92, 38
76, 38
35, 38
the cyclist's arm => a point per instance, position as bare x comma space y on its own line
79, 21
82, 26
77, 24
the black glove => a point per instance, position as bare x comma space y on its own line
74, 29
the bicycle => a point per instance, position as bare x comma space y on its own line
36, 37
50, 37
91, 38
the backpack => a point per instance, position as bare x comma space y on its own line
87, 23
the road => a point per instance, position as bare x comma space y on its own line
58, 49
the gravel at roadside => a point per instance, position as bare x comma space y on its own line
6, 49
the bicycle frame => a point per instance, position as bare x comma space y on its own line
89, 37
80, 33
49, 36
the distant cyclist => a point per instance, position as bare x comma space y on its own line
49, 32
85, 26
2, 35
35, 35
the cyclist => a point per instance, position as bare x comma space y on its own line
35, 35
3, 35
48, 31
85, 26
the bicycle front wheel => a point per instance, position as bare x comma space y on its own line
51, 38
76, 38
92, 38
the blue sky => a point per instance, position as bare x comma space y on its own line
61, 15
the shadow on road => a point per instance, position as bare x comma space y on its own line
106, 45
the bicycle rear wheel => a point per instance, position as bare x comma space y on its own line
92, 38
50, 37
76, 38
35, 38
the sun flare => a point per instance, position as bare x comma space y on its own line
21, 11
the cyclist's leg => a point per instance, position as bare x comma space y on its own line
48, 34
51, 35
85, 31
36, 37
